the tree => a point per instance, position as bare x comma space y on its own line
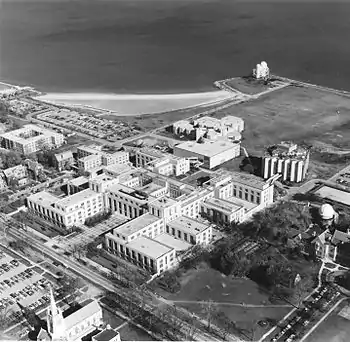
209, 310
12, 159
68, 285
4, 317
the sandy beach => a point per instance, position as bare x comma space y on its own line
136, 104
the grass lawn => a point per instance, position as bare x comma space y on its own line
132, 333
207, 284
248, 86
299, 114
111, 318
334, 329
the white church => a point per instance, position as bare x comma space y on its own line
76, 325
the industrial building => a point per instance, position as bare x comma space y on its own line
287, 159
210, 153
30, 139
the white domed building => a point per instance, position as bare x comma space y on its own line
328, 215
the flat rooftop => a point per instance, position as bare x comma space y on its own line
242, 203
334, 194
77, 198
209, 148
152, 152
44, 198
128, 191
192, 226
136, 224
119, 168
149, 247
221, 204
150, 188
248, 179
79, 181
90, 157
23, 135
170, 241
164, 202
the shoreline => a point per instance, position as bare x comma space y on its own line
135, 104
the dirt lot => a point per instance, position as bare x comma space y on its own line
240, 299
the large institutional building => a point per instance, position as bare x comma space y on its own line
164, 164
92, 157
229, 127
287, 159
30, 139
209, 153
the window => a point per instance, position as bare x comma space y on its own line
185, 236
179, 234
167, 229
173, 231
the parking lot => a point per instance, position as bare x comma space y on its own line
20, 286
308, 314
344, 179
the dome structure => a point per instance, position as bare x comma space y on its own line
326, 212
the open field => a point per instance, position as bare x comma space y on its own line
300, 114
136, 104
334, 329
240, 299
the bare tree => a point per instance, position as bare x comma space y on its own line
208, 308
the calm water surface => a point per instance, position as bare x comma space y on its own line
156, 46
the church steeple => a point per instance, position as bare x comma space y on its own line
55, 321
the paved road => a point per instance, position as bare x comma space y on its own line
95, 277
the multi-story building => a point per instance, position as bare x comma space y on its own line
17, 173
190, 230
211, 128
287, 159
241, 190
210, 153
162, 163
146, 155
92, 157
68, 211
134, 241
144, 241
127, 201
30, 139
89, 162
63, 160
222, 211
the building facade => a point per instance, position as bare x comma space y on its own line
69, 211
30, 139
